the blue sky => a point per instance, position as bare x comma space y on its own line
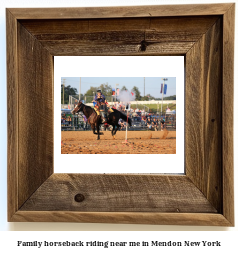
152, 84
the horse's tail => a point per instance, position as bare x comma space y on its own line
124, 118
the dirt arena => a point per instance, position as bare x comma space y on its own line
139, 142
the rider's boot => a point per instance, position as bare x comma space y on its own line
104, 117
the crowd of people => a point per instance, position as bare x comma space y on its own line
147, 120
154, 123
66, 119
150, 122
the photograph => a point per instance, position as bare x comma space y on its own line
118, 115
126, 111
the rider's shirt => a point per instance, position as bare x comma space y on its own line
101, 99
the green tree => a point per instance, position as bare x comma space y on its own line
135, 89
68, 90
170, 98
105, 88
91, 91
89, 95
124, 88
148, 97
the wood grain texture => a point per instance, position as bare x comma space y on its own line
12, 114
192, 219
179, 25
203, 118
121, 11
35, 95
71, 48
119, 36
114, 193
227, 113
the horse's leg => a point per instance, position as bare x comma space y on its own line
113, 128
93, 128
97, 126
116, 129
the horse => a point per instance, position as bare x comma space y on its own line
95, 120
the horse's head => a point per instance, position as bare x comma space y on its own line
78, 108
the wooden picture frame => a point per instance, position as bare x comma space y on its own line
204, 34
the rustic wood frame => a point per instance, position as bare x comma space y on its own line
204, 34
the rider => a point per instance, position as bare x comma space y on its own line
99, 97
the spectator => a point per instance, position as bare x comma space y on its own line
63, 119
69, 120
120, 107
116, 105
85, 123
155, 124
122, 123
134, 114
106, 126
162, 124
149, 124
142, 122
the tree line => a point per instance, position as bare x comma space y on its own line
107, 91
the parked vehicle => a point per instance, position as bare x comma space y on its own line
136, 122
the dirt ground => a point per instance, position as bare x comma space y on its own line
139, 142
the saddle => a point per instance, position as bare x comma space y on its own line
102, 106
102, 110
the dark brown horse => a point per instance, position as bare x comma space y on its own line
95, 120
